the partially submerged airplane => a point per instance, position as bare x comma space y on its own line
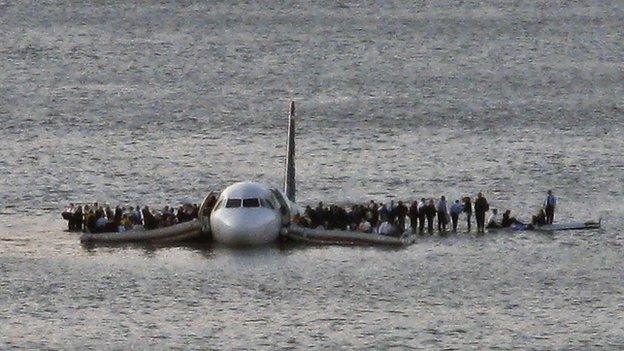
251, 213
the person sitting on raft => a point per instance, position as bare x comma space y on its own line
508, 221
73, 217
388, 228
101, 223
300, 220
364, 226
401, 212
493, 220
150, 222
540, 218
125, 223
68, 212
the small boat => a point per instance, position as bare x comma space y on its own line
344, 237
178, 232
569, 226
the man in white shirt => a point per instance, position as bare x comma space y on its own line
421, 214
364, 226
387, 228
493, 220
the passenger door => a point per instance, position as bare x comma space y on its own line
284, 210
204, 212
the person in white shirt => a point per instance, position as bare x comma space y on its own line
421, 215
493, 220
364, 226
387, 228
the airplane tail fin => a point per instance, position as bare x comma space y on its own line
289, 178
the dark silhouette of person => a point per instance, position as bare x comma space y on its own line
481, 207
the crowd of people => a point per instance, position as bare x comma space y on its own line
96, 218
393, 218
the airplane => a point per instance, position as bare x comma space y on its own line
252, 213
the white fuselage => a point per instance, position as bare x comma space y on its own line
246, 213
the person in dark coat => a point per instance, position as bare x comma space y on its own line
539, 219
118, 214
430, 212
468, 210
182, 216
508, 220
481, 207
149, 220
77, 218
91, 219
320, 214
442, 209
401, 212
374, 214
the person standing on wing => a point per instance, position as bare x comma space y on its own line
549, 207
481, 206
413, 215
468, 210
456, 210
442, 210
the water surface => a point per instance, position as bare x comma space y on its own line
160, 103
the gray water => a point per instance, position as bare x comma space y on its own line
161, 103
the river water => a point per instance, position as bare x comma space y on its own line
160, 103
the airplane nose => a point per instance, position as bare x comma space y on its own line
243, 227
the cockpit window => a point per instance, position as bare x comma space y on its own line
251, 203
267, 203
233, 203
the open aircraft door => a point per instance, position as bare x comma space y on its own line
283, 207
205, 209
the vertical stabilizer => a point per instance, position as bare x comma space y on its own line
289, 179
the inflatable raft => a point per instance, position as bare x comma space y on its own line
343, 237
179, 232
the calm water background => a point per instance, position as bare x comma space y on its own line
159, 103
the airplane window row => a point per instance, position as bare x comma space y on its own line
252, 202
